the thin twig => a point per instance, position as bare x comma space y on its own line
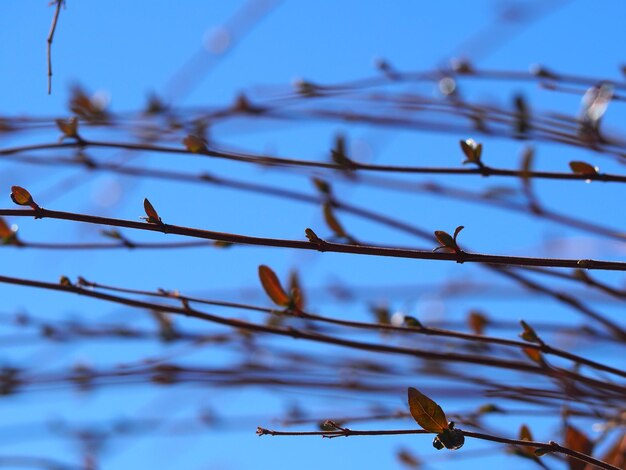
460, 257
550, 446
53, 27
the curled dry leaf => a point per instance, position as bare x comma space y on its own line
426, 412
272, 286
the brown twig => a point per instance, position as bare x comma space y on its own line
461, 257
53, 28
550, 446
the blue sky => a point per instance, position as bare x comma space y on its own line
124, 51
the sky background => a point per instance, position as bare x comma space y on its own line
126, 51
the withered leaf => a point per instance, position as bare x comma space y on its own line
426, 412
153, 217
272, 286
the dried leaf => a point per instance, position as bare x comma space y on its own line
22, 197
332, 221
578, 441
272, 286
69, 127
527, 162
445, 240
195, 144
534, 355
472, 150
616, 455
525, 434
381, 314
295, 288
5, 231
426, 412
583, 168
529, 333
90, 109
477, 322
153, 217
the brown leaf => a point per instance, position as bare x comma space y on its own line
472, 150
22, 197
616, 455
445, 240
583, 168
332, 221
534, 355
5, 230
525, 434
195, 144
529, 333
477, 322
69, 127
90, 109
153, 217
426, 412
578, 441
272, 286
527, 162
296, 290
